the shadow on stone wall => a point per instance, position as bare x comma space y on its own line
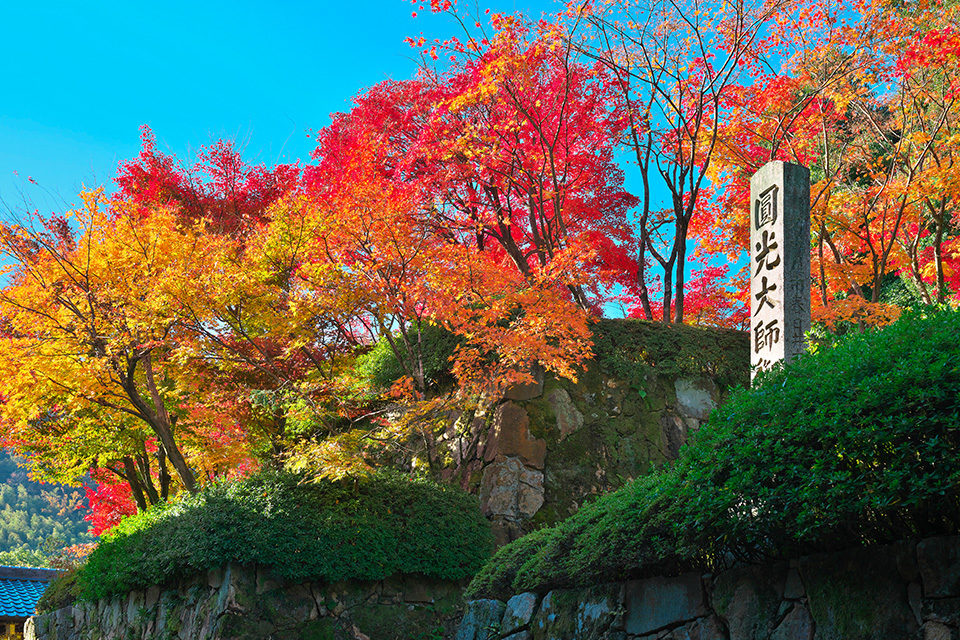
244, 603
894, 592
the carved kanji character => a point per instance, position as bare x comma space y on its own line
764, 249
762, 295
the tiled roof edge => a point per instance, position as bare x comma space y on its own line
29, 573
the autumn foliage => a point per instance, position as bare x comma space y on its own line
205, 318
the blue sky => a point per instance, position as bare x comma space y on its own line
80, 78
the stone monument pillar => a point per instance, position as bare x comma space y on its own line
779, 263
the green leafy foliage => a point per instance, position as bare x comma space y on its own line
853, 445
36, 519
381, 366
623, 347
61, 592
631, 349
353, 529
496, 576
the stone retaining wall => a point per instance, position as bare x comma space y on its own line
243, 603
534, 456
895, 592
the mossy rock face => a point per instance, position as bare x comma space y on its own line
604, 435
630, 410
576, 613
858, 595
749, 599
411, 622
320, 629
244, 603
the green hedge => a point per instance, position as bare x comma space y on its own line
365, 529
631, 349
627, 348
854, 445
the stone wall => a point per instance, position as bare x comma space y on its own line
537, 454
895, 592
243, 603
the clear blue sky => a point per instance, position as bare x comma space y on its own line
79, 78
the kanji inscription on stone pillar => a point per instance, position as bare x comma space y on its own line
779, 263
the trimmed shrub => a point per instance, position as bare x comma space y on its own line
631, 349
355, 529
854, 445
497, 575
626, 348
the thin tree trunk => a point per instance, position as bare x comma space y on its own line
642, 283
143, 464
158, 418
681, 245
163, 476
130, 471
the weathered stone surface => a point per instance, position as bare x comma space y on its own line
937, 631
866, 593
858, 594
511, 490
915, 600
944, 610
793, 589
597, 610
748, 599
510, 436
780, 262
193, 610
556, 617
481, 620
674, 433
695, 398
939, 560
530, 498
417, 591
797, 624
588, 437
584, 614
657, 603
569, 419
519, 612
701, 629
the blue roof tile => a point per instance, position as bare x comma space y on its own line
21, 588
19, 597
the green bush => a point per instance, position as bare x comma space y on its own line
626, 348
61, 592
497, 575
381, 366
631, 349
854, 445
355, 529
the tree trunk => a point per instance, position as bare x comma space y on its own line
163, 476
143, 464
681, 245
130, 471
667, 293
642, 283
158, 418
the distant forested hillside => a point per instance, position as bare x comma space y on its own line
36, 520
